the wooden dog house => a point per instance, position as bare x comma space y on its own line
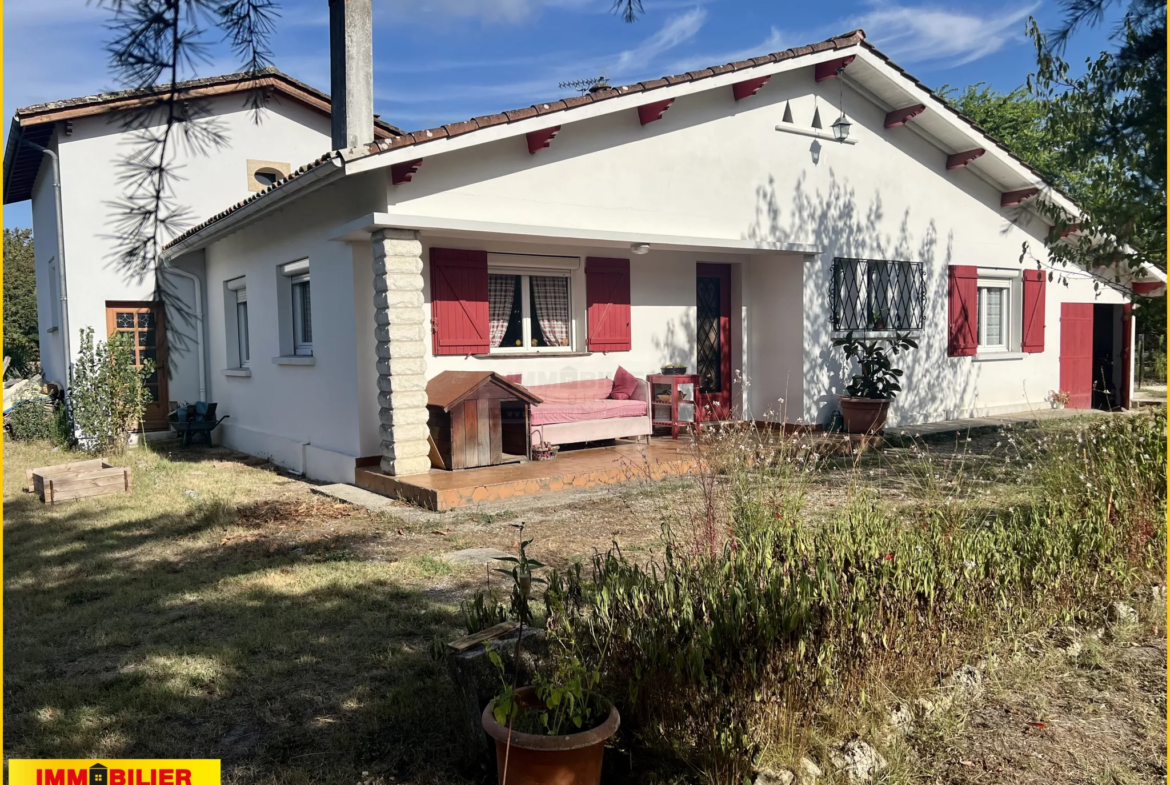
467, 422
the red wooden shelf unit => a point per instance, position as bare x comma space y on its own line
680, 410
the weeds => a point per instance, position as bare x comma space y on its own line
756, 620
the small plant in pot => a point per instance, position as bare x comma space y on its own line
555, 730
866, 404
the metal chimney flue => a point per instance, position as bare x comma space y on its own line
351, 67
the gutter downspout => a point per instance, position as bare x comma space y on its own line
60, 257
198, 325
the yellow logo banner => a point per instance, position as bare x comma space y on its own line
113, 772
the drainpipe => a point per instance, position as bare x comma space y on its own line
198, 325
60, 258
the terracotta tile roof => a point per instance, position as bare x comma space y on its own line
237, 82
35, 123
551, 107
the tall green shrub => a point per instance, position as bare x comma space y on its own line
108, 397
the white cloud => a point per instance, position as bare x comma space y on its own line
506, 11
555, 67
776, 41
676, 31
926, 33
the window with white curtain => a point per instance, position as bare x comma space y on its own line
529, 311
994, 305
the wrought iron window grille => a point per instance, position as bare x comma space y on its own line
877, 294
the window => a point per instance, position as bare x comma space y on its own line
262, 174
236, 312
267, 177
242, 327
54, 296
296, 310
529, 311
994, 309
875, 294
302, 316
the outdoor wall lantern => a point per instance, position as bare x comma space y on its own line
841, 128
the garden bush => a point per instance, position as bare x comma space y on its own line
708, 650
108, 397
32, 419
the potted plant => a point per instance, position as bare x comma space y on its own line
543, 451
674, 369
1058, 399
867, 401
553, 731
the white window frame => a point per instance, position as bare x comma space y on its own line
243, 337
54, 297
297, 274
239, 344
301, 347
526, 315
1007, 334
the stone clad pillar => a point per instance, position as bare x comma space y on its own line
400, 334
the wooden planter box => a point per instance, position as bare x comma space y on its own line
78, 480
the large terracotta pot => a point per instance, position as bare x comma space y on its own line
864, 415
574, 759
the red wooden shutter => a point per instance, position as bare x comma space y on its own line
459, 301
1035, 285
607, 297
963, 310
1076, 354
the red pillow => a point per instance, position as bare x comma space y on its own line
624, 385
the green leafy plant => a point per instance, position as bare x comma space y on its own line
566, 699
109, 395
877, 376
31, 418
522, 578
484, 610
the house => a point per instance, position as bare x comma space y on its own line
721, 219
89, 138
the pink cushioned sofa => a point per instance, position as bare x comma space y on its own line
582, 411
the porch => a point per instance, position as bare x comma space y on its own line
580, 468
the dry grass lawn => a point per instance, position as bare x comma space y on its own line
224, 610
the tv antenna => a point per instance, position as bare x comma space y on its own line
586, 85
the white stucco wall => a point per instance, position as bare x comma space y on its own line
303, 417
710, 168
209, 181
719, 169
45, 257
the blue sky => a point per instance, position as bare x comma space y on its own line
438, 61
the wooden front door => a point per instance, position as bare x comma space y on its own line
713, 339
145, 322
1076, 353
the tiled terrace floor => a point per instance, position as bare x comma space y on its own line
571, 469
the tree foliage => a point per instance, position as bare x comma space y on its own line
1110, 124
1098, 136
21, 337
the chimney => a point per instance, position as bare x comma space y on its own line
351, 67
